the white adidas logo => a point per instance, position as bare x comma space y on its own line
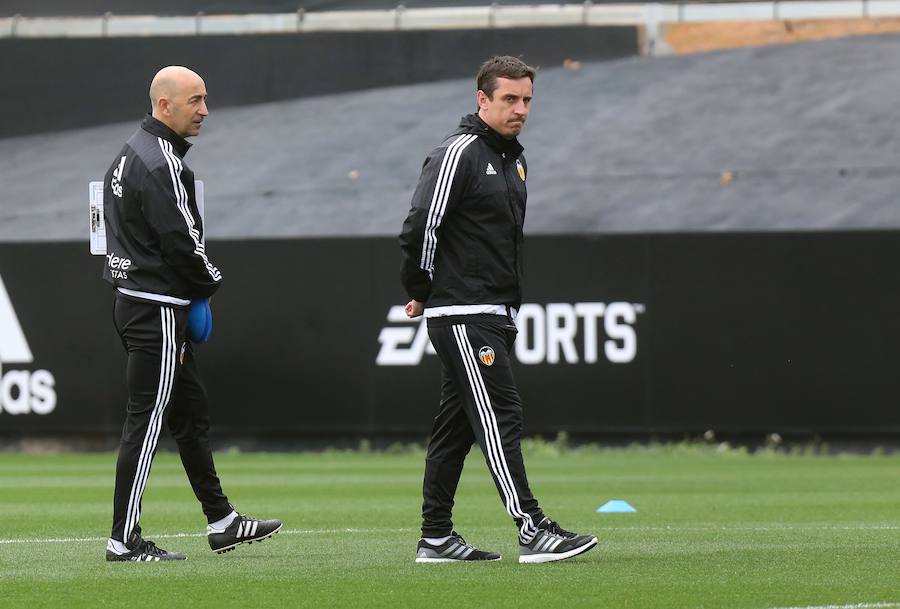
21, 391
13, 346
490, 171
116, 183
247, 528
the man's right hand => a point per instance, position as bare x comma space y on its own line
414, 308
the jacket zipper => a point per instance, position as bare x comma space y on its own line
510, 200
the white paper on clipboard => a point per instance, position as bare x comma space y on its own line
98, 226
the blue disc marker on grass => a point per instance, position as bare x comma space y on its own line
616, 506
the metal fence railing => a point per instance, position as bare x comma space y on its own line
400, 18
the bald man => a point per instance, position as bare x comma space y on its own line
157, 263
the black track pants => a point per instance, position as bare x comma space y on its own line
164, 386
479, 403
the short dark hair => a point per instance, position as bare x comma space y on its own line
501, 66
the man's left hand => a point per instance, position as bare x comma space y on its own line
414, 308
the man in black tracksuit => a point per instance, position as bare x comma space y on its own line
157, 262
462, 268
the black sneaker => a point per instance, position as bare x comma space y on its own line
142, 550
243, 529
454, 549
553, 542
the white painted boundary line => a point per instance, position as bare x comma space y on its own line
858, 606
786, 527
185, 535
418, 19
673, 529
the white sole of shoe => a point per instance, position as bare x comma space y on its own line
553, 557
247, 541
422, 559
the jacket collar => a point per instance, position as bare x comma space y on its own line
160, 129
472, 123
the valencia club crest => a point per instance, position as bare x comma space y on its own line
486, 355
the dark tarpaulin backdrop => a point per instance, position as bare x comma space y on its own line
112, 75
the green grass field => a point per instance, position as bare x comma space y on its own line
713, 530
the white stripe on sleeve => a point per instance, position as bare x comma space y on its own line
181, 200
440, 196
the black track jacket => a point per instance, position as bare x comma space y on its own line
462, 240
154, 233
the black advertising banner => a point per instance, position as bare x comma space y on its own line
625, 334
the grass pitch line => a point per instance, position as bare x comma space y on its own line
803, 527
859, 606
184, 535
864, 527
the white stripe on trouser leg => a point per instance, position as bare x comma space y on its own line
491, 447
134, 499
494, 448
528, 528
492, 433
492, 439
154, 426
166, 382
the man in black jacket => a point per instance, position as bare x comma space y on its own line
157, 263
462, 268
